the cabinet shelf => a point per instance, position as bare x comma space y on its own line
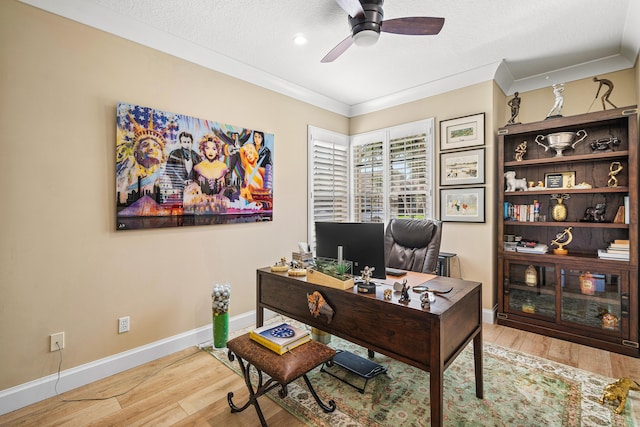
572, 290
578, 158
566, 224
598, 190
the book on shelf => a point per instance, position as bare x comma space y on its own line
617, 251
605, 254
626, 209
539, 248
280, 338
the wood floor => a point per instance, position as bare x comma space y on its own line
189, 388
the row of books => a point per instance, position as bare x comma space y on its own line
521, 212
280, 338
618, 250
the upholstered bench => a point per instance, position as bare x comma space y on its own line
281, 369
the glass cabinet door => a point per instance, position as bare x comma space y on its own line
530, 289
593, 299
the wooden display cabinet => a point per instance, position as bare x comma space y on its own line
579, 296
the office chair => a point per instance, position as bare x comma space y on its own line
413, 244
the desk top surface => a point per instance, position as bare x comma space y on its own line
443, 302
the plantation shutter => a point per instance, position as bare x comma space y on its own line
410, 172
368, 182
328, 178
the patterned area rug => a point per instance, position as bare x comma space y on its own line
519, 390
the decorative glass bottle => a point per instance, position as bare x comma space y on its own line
220, 307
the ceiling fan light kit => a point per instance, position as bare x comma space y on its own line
366, 22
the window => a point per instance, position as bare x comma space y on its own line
372, 177
392, 173
328, 178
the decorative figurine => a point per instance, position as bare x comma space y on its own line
619, 390
595, 214
610, 322
366, 274
387, 294
520, 150
513, 183
514, 103
405, 292
559, 211
604, 144
558, 90
561, 141
318, 306
605, 96
426, 298
297, 269
614, 169
280, 266
562, 240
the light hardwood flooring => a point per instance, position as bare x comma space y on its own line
189, 388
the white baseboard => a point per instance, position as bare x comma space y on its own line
43, 388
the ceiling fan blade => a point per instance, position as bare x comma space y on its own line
338, 50
352, 7
414, 26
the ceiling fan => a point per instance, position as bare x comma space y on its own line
366, 21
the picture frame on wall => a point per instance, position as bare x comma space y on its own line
462, 167
462, 132
462, 204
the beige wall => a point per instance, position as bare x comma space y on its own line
64, 268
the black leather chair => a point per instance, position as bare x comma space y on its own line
413, 244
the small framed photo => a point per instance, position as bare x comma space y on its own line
462, 132
462, 204
462, 167
560, 180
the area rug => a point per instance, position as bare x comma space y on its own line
519, 390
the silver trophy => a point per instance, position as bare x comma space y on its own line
560, 141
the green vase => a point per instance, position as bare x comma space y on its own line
220, 330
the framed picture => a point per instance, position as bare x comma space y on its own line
462, 204
462, 167
462, 132
559, 180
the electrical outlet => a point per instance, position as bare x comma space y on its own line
56, 341
123, 324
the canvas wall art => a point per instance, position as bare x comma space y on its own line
175, 170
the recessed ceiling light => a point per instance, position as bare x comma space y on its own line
299, 39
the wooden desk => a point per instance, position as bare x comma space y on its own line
428, 339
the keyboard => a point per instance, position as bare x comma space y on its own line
394, 272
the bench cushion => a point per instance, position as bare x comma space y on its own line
282, 368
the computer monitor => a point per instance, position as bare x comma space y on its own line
362, 243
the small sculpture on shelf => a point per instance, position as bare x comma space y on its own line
297, 269
562, 240
603, 145
614, 169
513, 183
514, 104
558, 90
387, 294
595, 214
426, 298
605, 96
559, 210
619, 390
403, 288
520, 151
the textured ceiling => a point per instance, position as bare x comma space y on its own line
523, 44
